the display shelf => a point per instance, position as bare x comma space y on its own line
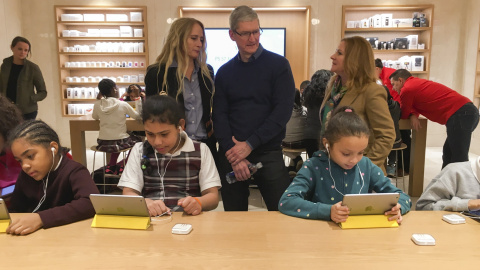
358, 13
103, 53
66, 42
389, 29
103, 38
103, 23
102, 68
96, 83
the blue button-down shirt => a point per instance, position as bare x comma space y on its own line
193, 105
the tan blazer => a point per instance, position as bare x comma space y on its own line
371, 105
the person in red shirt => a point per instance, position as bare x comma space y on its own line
440, 104
383, 73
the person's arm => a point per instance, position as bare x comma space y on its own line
39, 84
96, 109
414, 122
151, 80
221, 123
209, 181
381, 123
407, 96
195, 205
440, 194
80, 207
295, 201
382, 184
132, 113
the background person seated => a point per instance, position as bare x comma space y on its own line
294, 138
455, 188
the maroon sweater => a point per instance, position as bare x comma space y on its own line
67, 198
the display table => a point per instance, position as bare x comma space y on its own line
246, 240
79, 125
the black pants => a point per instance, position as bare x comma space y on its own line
459, 134
272, 181
311, 146
406, 139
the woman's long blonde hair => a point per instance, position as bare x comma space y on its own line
176, 48
358, 65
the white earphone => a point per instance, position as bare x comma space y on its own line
45, 182
330, 171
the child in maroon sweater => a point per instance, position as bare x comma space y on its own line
53, 189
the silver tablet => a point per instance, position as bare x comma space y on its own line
3, 210
121, 205
371, 203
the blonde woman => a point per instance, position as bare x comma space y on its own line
181, 72
354, 84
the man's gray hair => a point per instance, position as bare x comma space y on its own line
242, 14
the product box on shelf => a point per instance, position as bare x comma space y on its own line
71, 17
377, 21
365, 23
408, 22
387, 20
373, 42
412, 42
117, 18
138, 32
400, 43
135, 16
418, 62
126, 31
93, 17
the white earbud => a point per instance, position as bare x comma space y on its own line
326, 146
53, 150
180, 128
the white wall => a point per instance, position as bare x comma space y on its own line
10, 24
453, 56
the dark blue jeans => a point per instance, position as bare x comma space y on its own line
272, 181
459, 134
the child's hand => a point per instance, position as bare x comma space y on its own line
156, 207
339, 213
397, 214
26, 224
190, 205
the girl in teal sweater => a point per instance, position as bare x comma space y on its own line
318, 189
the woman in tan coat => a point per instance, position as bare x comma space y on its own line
355, 85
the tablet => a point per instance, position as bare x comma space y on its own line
120, 205
3, 210
370, 203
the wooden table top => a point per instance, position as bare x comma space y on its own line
246, 240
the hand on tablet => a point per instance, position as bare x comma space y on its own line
397, 214
339, 213
156, 207
25, 224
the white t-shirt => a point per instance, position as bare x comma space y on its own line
132, 176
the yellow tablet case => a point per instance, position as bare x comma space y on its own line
368, 221
121, 222
4, 225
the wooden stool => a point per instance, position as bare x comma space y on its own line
95, 150
400, 148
